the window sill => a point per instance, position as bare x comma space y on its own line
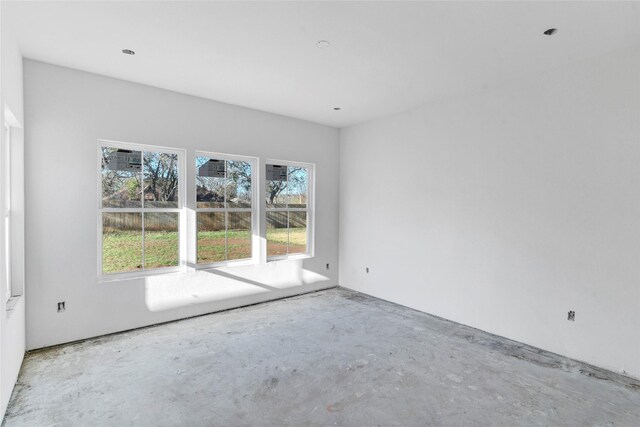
289, 257
117, 277
238, 263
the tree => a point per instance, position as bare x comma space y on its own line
297, 183
274, 188
161, 176
238, 181
235, 183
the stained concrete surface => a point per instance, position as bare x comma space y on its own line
334, 357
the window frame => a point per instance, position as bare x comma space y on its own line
5, 170
255, 213
182, 220
310, 209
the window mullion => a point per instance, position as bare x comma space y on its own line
288, 232
225, 210
142, 204
226, 236
287, 209
226, 213
287, 189
143, 260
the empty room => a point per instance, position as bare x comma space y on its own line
352, 213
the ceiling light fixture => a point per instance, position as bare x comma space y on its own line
323, 44
337, 108
550, 31
128, 52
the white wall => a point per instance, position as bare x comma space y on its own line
505, 208
66, 112
12, 322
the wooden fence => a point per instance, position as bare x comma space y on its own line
207, 221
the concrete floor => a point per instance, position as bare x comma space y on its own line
334, 357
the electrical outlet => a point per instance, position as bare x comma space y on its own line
61, 307
327, 266
571, 316
367, 269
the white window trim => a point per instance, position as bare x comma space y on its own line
182, 221
310, 209
255, 235
5, 169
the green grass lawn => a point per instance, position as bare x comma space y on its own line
277, 241
211, 246
161, 249
121, 250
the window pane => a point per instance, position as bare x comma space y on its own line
161, 247
238, 184
160, 180
121, 242
276, 179
297, 232
238, 235
297, 187
121, 178
211, 237
277, 236
210, 182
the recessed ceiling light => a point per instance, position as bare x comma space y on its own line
323, 44
550, 31
337, 108
128, 52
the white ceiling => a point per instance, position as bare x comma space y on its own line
385, 57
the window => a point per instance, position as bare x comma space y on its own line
5, 176
224, 208
140, 207
289, 209
142, 218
